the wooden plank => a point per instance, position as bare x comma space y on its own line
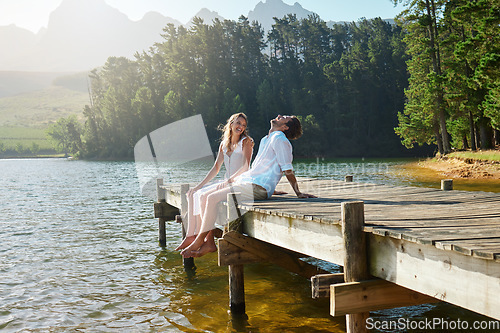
488, 248
229, 254
372, 295
273, 254
377, 213
469, 282
431, 235
173, 197
165, 211
286, 231
320, 284
426, 220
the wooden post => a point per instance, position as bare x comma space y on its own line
162, 234
160, 193
189, 266
356, 259
236, 277
348, 178
447, 184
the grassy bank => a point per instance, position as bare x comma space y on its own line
25, 117
486, 155
466, 164
470, 171
16, 138
14, 155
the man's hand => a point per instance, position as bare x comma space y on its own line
295, 186
305, 195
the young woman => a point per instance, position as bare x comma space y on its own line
235, 151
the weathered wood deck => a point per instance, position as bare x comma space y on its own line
444, 244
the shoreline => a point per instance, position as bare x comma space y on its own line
470, 171
458, 166
463, 168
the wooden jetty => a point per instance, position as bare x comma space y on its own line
399, 246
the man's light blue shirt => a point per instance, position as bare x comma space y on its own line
273, 158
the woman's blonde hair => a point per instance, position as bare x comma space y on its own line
227, 132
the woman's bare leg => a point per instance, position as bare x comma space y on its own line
207, 221
190, 225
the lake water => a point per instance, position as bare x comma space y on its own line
79, 253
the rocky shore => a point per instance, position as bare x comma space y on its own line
465, 168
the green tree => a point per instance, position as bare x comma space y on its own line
66, 135
345, 82
35, 148
421, 19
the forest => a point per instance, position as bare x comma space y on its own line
369, 88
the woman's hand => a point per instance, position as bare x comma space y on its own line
222, 185
225, 183
192, 190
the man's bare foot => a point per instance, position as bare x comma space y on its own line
185, 242
207, 247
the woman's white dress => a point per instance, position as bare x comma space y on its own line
232, 164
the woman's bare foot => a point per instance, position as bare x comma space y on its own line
188, 254
207, 247
185, 242
195, 245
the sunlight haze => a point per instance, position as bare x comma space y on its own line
34, 14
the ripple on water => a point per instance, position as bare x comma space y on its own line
79, 253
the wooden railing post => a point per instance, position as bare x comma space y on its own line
189, 265
236, 275
356, 259
160, 193
446, 184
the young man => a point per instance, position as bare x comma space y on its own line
273, 159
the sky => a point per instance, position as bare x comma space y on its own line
34, 14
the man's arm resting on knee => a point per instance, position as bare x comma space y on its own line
290, 175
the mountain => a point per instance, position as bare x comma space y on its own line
15, 42
206, 15
81, 35
264, 12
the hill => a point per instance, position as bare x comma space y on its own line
15, 83
39, 108
25, 117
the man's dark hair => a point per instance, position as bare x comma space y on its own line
294, 130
